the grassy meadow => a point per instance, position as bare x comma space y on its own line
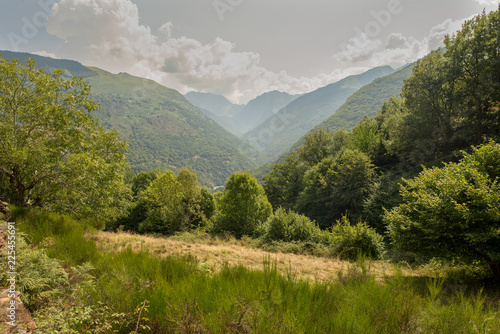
77, 281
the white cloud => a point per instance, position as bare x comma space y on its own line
108, 34
45, 54
357, 48
487, 2
397, 49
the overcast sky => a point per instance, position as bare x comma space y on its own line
237, 48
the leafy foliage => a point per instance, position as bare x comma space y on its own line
287, 226
337, 185
53, 152
242, 206
454, 211
350, 241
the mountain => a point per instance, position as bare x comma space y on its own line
261, 108
162, 128
366, 101
70, 67
236, 118
215, 104
278, 133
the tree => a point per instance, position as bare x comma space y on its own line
175, 202
142, 181
52, 151
336, 186
454, 211
242, 205
284, 183
452, 99
318, 145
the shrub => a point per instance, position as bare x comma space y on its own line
242, 206
452, 212
286, 225
348, 241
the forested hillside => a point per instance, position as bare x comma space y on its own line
406, 205
278, 133
162, 128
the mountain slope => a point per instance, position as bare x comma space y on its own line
279, 132
236, 118
365, 102
261, 108
162, 128
216, 104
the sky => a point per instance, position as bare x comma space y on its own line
236, 48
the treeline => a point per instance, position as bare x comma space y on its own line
422, 175
425, 170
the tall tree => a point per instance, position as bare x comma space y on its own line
53, 152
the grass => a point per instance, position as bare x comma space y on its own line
183, 295
212, 253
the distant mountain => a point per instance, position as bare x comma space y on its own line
236, 118
279, 132
261, 108
365, 102
162, 128
215, 104
71, 67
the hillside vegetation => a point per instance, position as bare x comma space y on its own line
365, 102
162, 128
416, 186
278, 133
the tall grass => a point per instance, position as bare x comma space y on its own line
183, 298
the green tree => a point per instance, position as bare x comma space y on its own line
242, 206
284, 183
318, 145
474, 67
142, 181
52, 151
175, 203
454, 211
452, 99
336, 186
367, 138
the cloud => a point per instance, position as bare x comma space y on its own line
108, 34
358, 48
45, 54
487, 2
397, 49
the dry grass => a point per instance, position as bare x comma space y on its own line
212, 253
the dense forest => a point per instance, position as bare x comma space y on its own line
418, 183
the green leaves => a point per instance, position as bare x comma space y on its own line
242, 206
52, 151
452, 211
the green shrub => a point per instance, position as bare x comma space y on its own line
348, 241
286, 225
241, 207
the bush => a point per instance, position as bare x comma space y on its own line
287, 226
242, 206
349, 241
452, 212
